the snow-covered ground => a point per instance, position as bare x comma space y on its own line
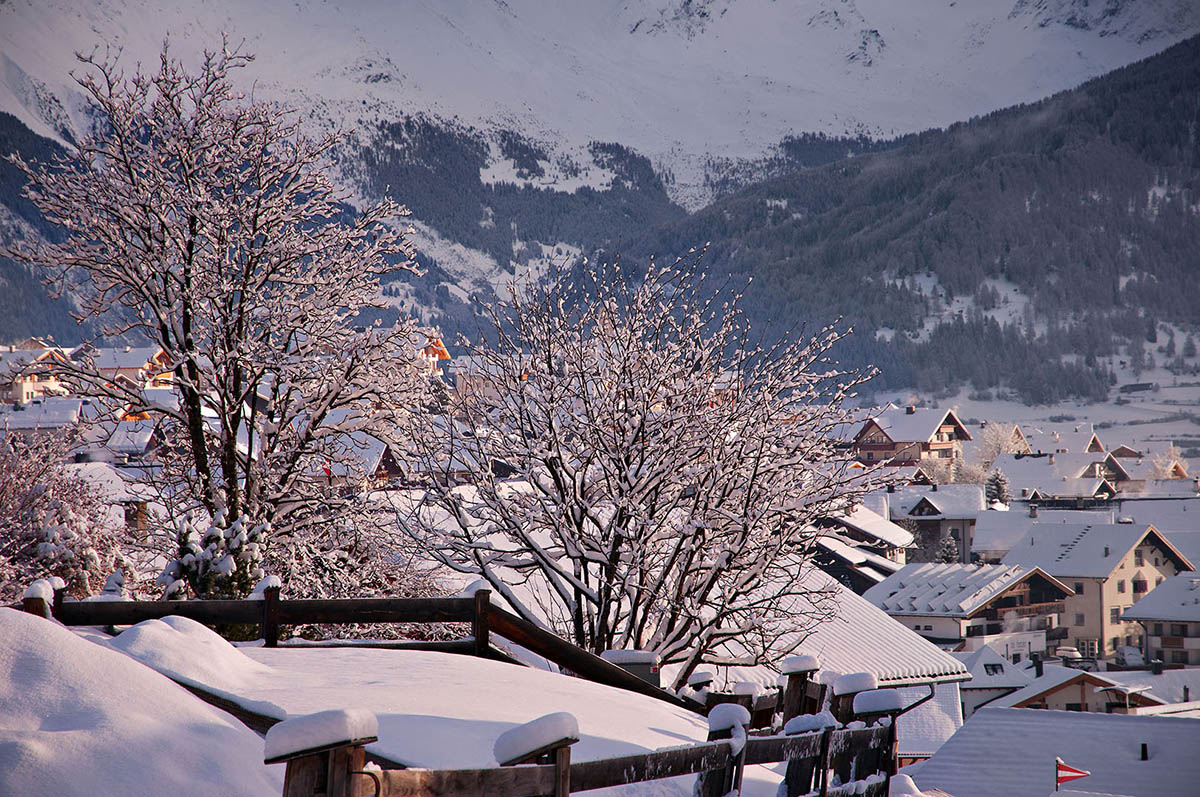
685, 83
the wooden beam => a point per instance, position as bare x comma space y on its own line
519, 781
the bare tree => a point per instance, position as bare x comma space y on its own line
209, 226
642, 473
52, 522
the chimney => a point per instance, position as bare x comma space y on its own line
1106, 551
933, 487
1145, 752
1038, 667
1187, 694
1033, 510
1156, 667
891, 488
910, 410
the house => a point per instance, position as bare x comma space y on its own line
938, 513
139, 367
1170, 618
1002, 752
1068, 438
135, 440
1006, 607
909, 436
1070, 689
47, 415
992, 677
432, 354
26, 374
1065, 481
860, 547
996, 532
1109, 566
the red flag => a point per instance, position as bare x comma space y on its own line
1064, 772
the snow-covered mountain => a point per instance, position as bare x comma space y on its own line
690, 84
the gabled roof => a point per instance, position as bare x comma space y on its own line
1062, 475
1053, 679
45, 414
1074, 438
862, 638
1177, 599
124, 357
132, 437
1001, 752
908, 424
1000, 531
951, 590
990, 670
1091, 551
871, 524
1168, 686
947, 500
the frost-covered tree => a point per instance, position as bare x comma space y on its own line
52, 522
997, 488
948, 551
643, 472
209, 226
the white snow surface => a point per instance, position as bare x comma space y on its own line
79, 719
877, 701
318, 730
853, 682
684, 83
534, 735
40, 589
803, 663
806, 723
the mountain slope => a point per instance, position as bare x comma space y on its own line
1082, 212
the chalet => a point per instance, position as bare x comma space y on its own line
1170, 619
939, 513
1006, 607
996, 532
1066, 481
432, 354
135, 440
139, 367
27, 374
909, 436
1070, 689
1062, 439
1109, 567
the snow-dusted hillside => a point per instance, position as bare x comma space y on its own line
681, 81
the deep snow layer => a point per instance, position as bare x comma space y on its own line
77, 719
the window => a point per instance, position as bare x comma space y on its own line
1114, 614
1079, 619
1078, 587
1158, 581
1158, 629
1016, 658
1121, 585
1139, 586
1086, 647
1179, 657
993, 669
928, 628
974, 630
1138, 558
1074, 707
1116, 643
1178, 629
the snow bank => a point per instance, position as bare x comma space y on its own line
524, 739
807, 723
853, 682
314, 731
77, 718
802, 663
188, 651
878, 701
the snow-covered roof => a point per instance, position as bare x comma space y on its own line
950, 590
1167, 686
1090, 551
906, 424
46, 413
124, 357
1000, 531
872, 524
990, 670
862, 638
1053, 678
1071, 475
949, 500
1074, 438
1001, 752
1177, 599
926, 728
131, 437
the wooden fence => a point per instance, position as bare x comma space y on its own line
271, 612
829, 763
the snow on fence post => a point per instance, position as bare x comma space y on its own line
545, 740
799, 670
38, 598
480, 629
323, 752
799, 775
726, 721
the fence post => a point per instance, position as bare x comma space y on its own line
270, 618
480, 623
726, 721
799, 671
35, 605
327, 768
825, 738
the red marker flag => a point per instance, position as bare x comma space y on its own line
1064, 772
